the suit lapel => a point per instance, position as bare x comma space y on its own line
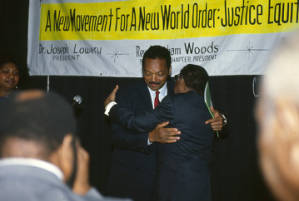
146, 96
170, 86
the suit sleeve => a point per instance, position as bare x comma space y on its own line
128, 139
143, 122
123, 137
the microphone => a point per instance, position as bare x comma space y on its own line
77, 105
77, 100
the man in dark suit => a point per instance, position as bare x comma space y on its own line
182, 169
39, 153
133, 168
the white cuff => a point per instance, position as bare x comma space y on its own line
148, 142
224, 119
108, 107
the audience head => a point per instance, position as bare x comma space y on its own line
9, 75
156, 63
278, 117
191, 77
38, 125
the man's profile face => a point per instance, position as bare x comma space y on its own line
180, 86
155, 73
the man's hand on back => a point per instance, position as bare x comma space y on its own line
164, 135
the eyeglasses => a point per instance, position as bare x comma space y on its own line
178, 77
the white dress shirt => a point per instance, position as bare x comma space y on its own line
163, 92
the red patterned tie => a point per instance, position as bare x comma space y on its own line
156, 102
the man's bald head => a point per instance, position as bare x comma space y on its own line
278, 117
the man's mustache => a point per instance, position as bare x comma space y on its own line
156, 83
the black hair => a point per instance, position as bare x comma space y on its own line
157, 52
46, 120
8, 59
23, 71
195, 77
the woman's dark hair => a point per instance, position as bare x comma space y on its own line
7, 59
195, 77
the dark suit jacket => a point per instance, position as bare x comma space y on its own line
133, 165
182, 166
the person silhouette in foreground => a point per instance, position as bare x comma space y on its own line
277, 113
41, 159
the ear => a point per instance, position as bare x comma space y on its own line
65, 156
66, 143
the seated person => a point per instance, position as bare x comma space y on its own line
39, 153
183, 172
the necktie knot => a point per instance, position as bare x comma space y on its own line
156, 102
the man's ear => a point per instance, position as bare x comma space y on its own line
65, 156
66, 144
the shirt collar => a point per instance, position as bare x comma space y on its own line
162, 94
33, 163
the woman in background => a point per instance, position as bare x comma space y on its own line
9, 77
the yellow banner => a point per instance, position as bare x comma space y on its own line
169, 19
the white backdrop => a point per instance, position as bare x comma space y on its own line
222, 54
